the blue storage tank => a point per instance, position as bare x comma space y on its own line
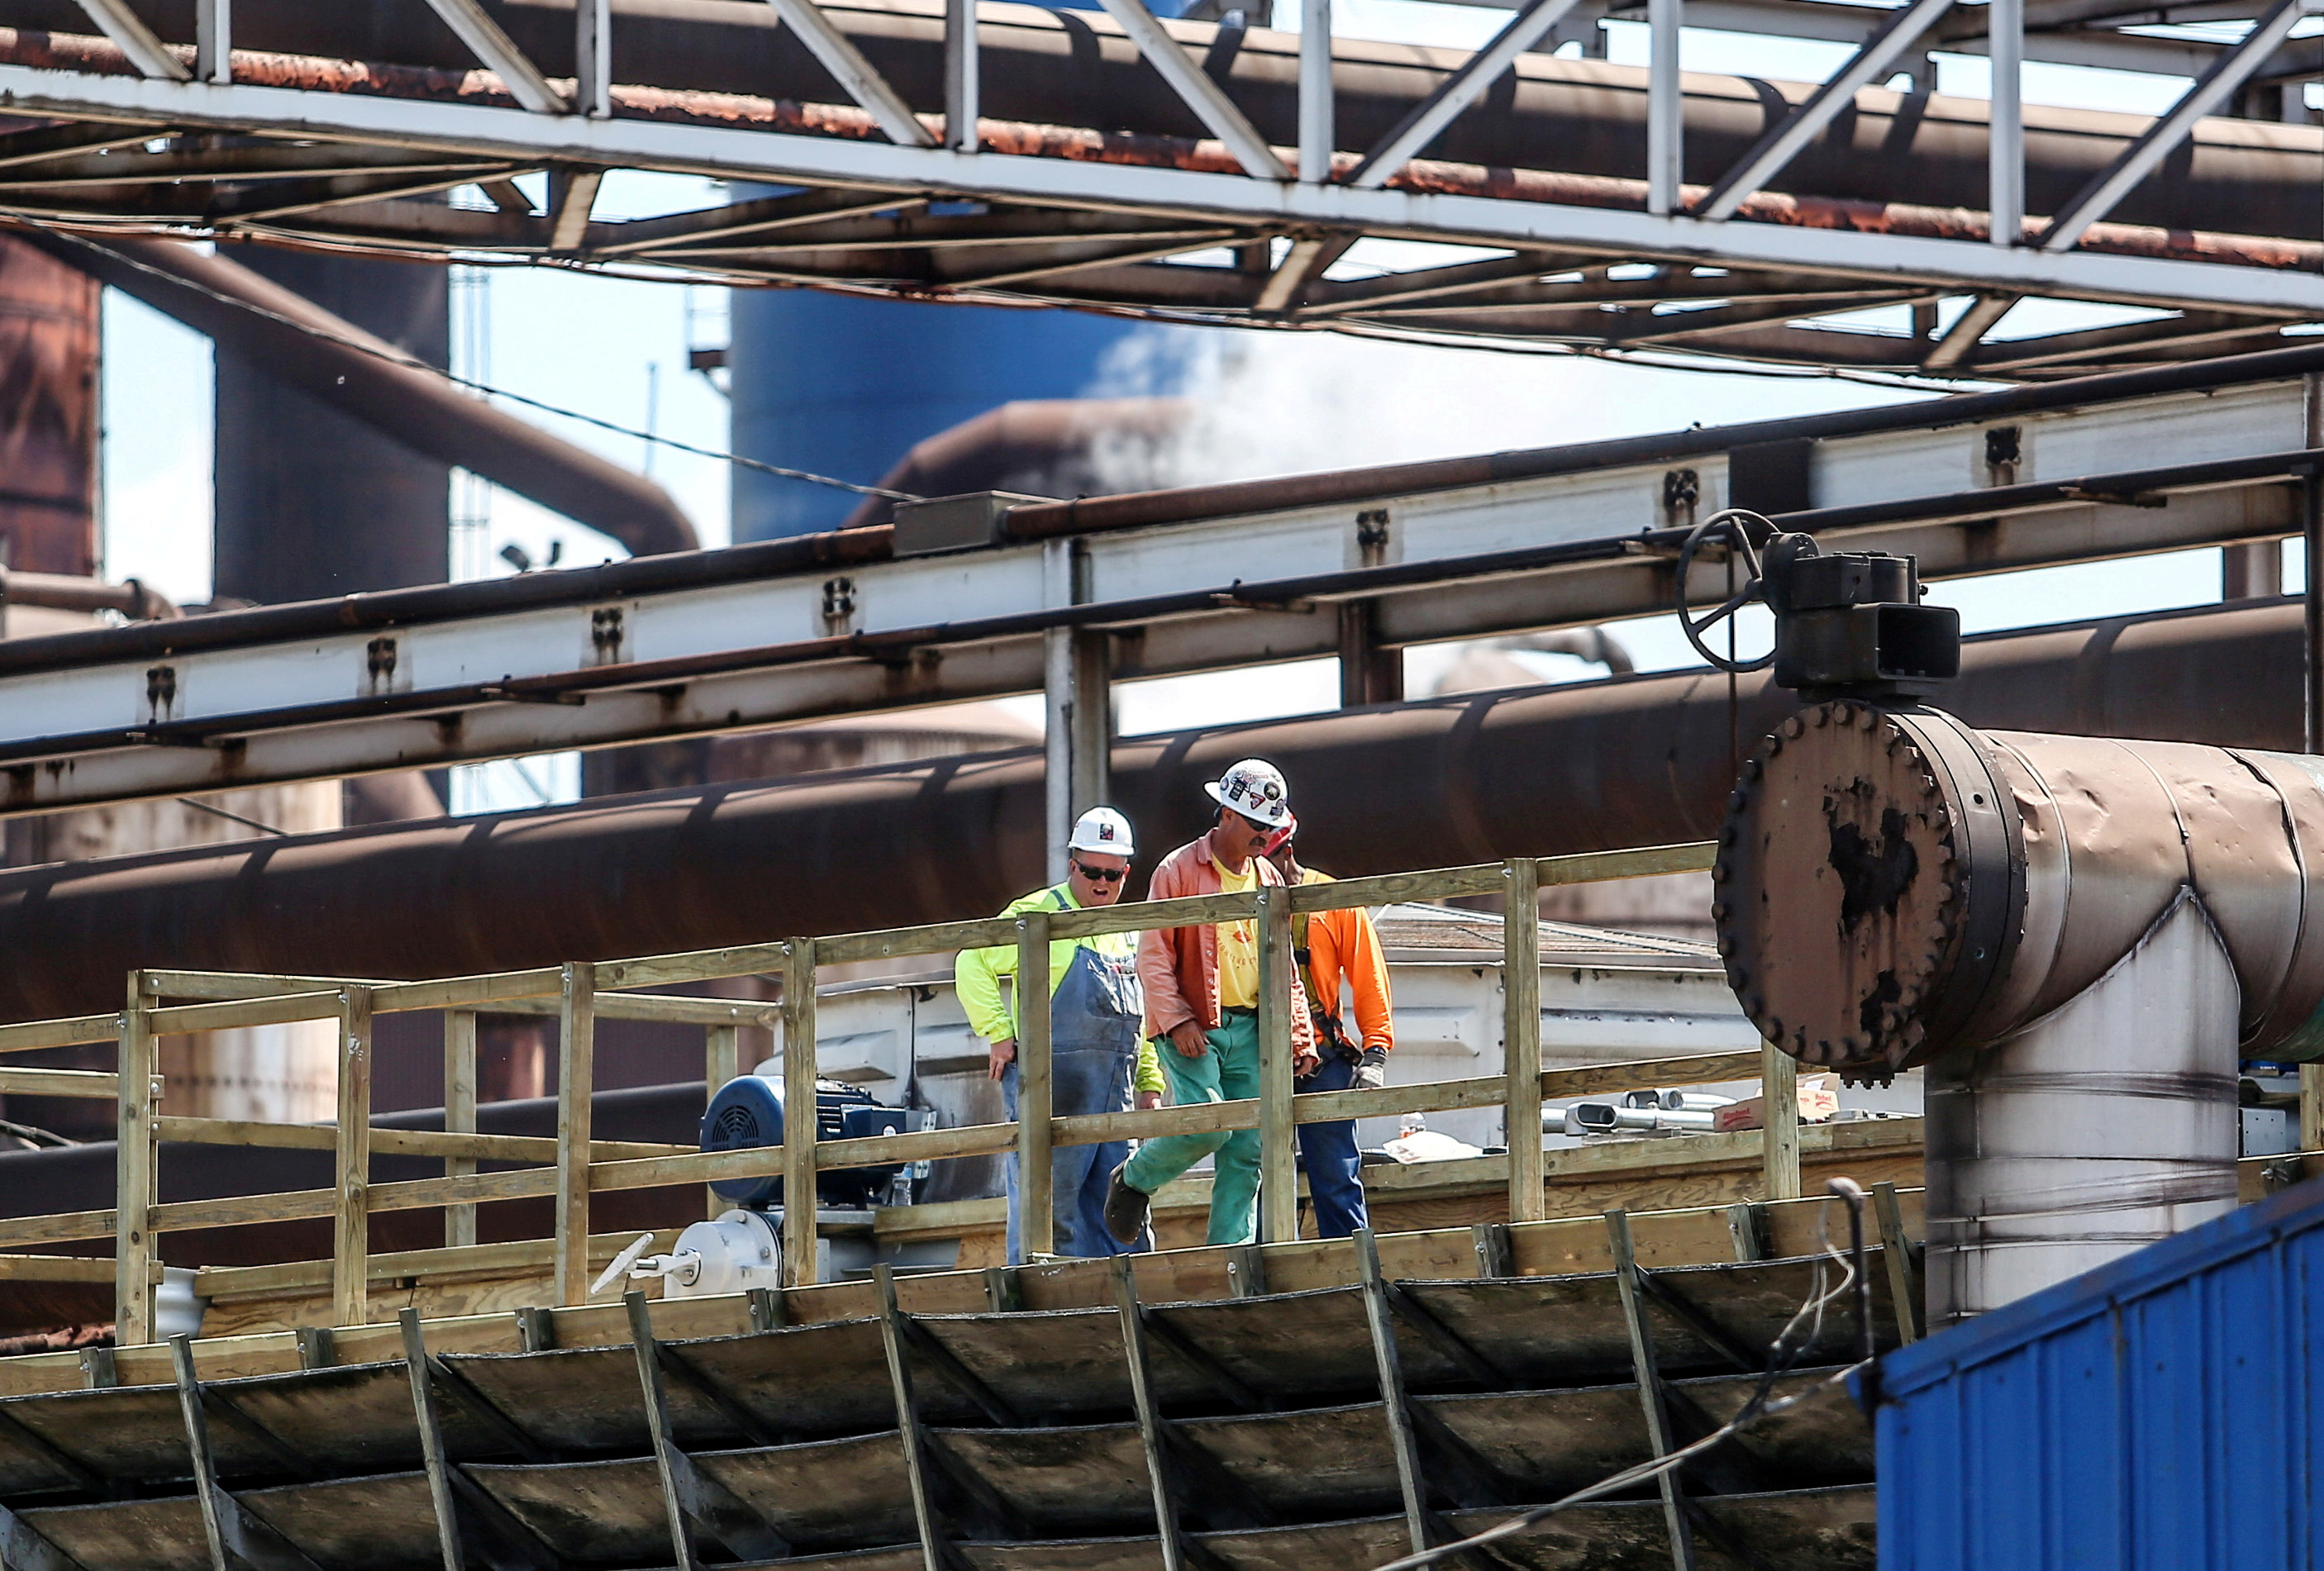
841, 386
845, 385
2162, 1412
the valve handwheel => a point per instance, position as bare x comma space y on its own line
1736, 526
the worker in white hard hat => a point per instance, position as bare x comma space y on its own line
1202, 1008
1099, 1061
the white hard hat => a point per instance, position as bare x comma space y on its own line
1255, 788
1102, 829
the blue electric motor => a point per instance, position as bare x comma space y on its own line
747, 1114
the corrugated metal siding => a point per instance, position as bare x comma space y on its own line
2162, 1413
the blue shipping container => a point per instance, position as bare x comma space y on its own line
2162, 1412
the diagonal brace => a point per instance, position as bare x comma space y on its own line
133, 37
501, 55
1430, 117
237, 1538
693, 1500
2229, 72
1785, 140
950, 1369
1199, 93
1675, 1522
1981, 315
23, 1549
855, 74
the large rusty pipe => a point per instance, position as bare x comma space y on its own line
1072, 69
2078, 937
331, 359
1632, 761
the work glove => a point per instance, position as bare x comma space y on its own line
1372, 1069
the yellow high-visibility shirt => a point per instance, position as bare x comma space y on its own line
1238, 946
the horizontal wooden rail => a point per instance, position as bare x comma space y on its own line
518, 1255
671, 1009
58, 1268
400, 1142
33, 1035
237, 1014
58, 1227
91, 1083
509, 988
1195, 1118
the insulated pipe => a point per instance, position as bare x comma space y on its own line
1539, 771
2079, 936
331, 359
69, 592
1070, 68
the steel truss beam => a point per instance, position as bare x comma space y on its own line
676, 646
868, 188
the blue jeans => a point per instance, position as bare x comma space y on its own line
1329, 1157
1081, 1080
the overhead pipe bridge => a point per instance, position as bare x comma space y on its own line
1113, 158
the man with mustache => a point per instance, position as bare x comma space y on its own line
1201, 1008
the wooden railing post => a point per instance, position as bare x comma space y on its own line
1036, 1190
722, 1060
1779, 1101
577, 1059
1521, 1035
1278, 1159
351, 1221
459, 1113
134, 1246
799, 1113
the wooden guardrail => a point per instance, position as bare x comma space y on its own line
572, 1166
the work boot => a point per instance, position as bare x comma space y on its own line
1126, 1208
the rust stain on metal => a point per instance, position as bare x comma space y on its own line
1839, 907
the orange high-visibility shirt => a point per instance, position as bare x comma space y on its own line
1343, 944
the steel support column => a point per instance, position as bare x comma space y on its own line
1666, 107
1077, 676
2006, 152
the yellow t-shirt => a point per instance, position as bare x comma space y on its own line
1238, 946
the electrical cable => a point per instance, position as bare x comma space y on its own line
413, 363
1784, 1357
202, 807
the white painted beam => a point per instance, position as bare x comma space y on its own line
500, 54
2143, 157
1318, 122
1666, 107
1787, 140
1196, 89
2005, 134
529, 141
213, 40
1428, 118
133, 37
853, 73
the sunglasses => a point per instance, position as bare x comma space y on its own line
1101, 874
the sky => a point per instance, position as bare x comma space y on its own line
617, 349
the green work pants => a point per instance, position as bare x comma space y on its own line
1228, 1072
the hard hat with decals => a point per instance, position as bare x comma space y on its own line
1255, 788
